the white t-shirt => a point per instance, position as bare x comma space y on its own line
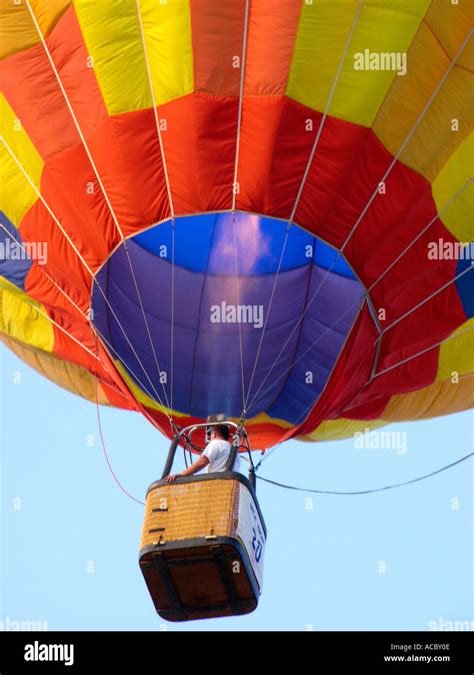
217, 452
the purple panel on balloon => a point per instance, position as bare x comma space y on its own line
212, 317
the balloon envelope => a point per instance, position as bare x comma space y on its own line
212, 210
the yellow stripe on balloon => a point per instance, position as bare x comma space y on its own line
439, 129
113, 38
140, 395
17, 30
16, 193
65, 374
458, 216
383, 27
440, 398
167, 27
451, 21
264, 418
19, 318
337, 430
456, 355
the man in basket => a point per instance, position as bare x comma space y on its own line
215, 456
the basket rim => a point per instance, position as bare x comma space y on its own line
217, 475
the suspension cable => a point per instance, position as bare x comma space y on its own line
103, 190
237, 288
366, 492
297, 200
367, 206
84, 263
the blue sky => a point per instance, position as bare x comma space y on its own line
69, 554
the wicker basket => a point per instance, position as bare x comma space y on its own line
202, 546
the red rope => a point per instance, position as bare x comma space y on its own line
102, 438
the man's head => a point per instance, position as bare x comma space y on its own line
220, 431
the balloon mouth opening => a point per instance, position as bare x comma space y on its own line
226, 311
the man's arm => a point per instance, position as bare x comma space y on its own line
199, 464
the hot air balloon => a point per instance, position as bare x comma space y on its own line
255, 208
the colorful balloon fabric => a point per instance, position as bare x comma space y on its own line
241, 207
